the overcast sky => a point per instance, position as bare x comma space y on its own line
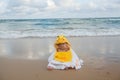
59, 8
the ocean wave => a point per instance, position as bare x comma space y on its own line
21, 28
51, 23
54, 33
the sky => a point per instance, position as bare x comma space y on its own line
58, 8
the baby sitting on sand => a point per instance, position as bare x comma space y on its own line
64, 57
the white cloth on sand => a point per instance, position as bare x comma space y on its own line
75, 63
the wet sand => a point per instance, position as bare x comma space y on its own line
26, 59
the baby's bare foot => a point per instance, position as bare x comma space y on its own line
50, 68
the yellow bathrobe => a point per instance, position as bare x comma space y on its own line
63, 56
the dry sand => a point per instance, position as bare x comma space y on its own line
26, 59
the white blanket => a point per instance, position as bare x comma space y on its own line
75, 63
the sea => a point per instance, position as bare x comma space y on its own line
22, 28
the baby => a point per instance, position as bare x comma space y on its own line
63, 57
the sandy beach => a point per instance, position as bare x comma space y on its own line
26, 59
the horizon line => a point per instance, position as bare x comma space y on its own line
58, 18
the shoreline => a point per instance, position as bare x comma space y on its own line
26, 59
41, 37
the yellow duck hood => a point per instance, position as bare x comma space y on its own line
61, 39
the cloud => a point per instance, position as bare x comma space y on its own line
64, 3
51, 4
58, 8
3, 6
105, 4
